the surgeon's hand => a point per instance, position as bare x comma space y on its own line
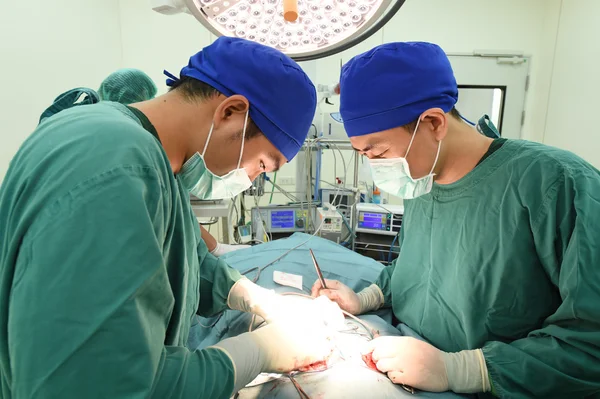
339, 293
293, 309
311, 312
291, 346
369, 299
409, 361
246, 296
276, 348
415, 363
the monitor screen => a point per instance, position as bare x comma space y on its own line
339, 199
282, 219
375, 221
245, 230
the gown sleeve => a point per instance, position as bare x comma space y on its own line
385, 277
91, 300
562, 358
216, 280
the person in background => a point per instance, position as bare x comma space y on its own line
128, 86
499, 247
217, 248
102, 265
125, 86
69, 99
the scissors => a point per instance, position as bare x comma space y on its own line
318, 269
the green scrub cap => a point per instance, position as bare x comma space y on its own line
127, 86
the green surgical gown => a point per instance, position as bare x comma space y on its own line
102, 267
508, 259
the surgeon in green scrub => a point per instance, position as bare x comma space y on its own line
125, 86
128, 86
102, 268
499, 265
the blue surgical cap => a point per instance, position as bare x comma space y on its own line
393, 84
282, 98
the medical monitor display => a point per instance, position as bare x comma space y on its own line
282, 219
374, 221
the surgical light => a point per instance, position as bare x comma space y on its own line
303, 29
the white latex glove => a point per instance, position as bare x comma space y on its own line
369, 299
291, 346
327, 311
276, 348
415, 363
222, 249
247, 296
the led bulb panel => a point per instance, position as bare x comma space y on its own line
320, 23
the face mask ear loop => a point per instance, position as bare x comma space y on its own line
243, 140
436, 157
412, 138
208, 138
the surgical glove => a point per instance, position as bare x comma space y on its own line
222, 249
328, 312
249, 297
467, 371
415, 363
276, 348
369, 299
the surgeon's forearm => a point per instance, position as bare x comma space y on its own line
536, 366
248, 297
216, 280
467, 371
209, 240
371, 299
246, 356
207, 373
384, 282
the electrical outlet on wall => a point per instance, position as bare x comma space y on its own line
286, 181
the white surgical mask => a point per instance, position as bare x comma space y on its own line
393, 175
204, 184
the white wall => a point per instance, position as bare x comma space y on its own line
154, 42
46, 48
573, 103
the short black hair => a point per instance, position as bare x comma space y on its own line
453, 112
196, 90
193, 89
252, 131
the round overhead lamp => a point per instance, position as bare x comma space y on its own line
303, 29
